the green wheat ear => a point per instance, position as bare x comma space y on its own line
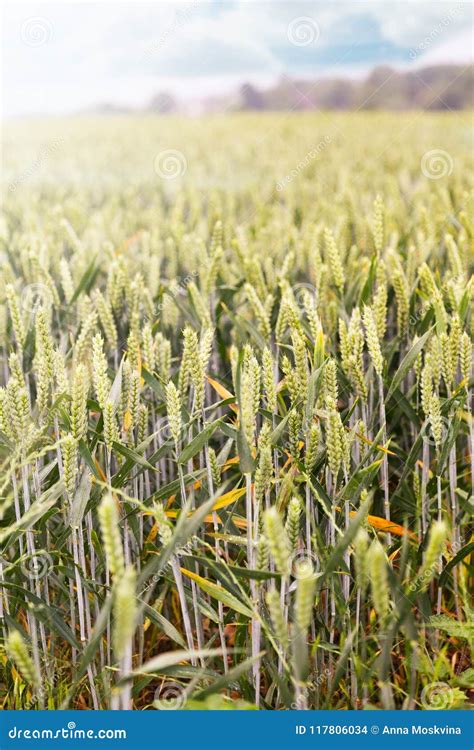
15, 314
173, 407
250, 396
277, 617
466, 358
111, 434
361, 547
372, 338
434, 548
378, 223
125, 611
312, 446
79, 392
99, 370
69, 451
379, 579
268, 379
334, 443
278, 541
17, 650
292, 524
109, 524
305, 594
335, 263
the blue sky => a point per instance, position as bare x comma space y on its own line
66, 56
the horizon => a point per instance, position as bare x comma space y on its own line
68, 58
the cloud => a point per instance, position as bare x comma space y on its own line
126, 51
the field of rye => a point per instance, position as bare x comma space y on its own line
236, 439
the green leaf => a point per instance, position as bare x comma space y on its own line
337, 556
45, 613
165, 625
154, 383
219, 593
369, 283
133, 456
464, 552
169, 659
407, 363
198, 442
225, 680
86, 281
80, 500
34, 513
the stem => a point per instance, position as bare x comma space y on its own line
384, 467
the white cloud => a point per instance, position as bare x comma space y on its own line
125, 52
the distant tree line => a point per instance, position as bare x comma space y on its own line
433, 88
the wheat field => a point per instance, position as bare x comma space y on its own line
236, 438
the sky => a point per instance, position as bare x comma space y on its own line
65, 57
